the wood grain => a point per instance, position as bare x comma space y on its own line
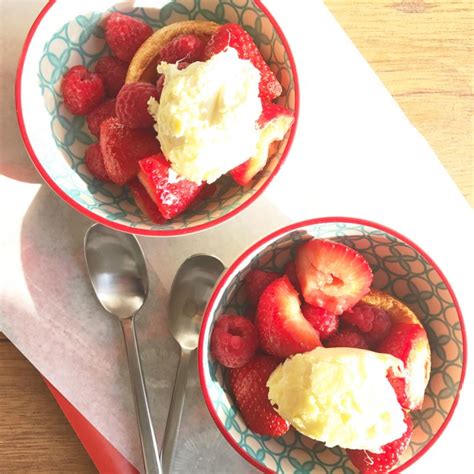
34, 434
423, 52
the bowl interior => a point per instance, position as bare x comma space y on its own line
401, 271
68, 36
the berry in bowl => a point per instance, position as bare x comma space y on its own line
157, 121
332, 344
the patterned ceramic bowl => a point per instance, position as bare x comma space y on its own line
401, 269
68, 33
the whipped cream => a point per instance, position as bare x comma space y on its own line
340, 396
206, 117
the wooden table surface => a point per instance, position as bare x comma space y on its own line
423, 51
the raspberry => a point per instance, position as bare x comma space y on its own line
374, 322
99, 114
125, 35
323, 321
95, 162
132, 108
113, 72
233, 341
122, 148
347, 338
255, 282
290, 271
82, 90
188, 48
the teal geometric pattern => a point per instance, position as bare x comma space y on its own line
81, 41
400, 271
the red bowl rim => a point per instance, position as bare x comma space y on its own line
225, 278
126, 228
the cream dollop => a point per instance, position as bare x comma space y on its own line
340, 396
206, 117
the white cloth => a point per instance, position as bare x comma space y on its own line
355, 154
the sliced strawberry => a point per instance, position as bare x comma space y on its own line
255, 282
234, 36
249, 386
332, 276
381, 463
282, 328
144, 202
325, 322
409, 343
273, 122
290, 272
172, 196
123, 147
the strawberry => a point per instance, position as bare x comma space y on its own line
273, 123
249, 387
82, 90
409, 343
125, 34
144, 202
113, 73
95, 162
290, 272
282, 328
172, 196
325, 322
189, 48
234, 340
234, 36
332, 276
255, 282
375, 463
123, 147
99, 114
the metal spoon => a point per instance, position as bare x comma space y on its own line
118, 274
190, 292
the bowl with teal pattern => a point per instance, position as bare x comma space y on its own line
68, 33
402, 270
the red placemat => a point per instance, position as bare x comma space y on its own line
105, 457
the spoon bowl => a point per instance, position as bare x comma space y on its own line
117, 270
189, 295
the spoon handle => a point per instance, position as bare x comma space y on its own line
176, 410
150, 452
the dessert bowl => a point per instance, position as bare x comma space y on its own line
67, 34
400, 269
